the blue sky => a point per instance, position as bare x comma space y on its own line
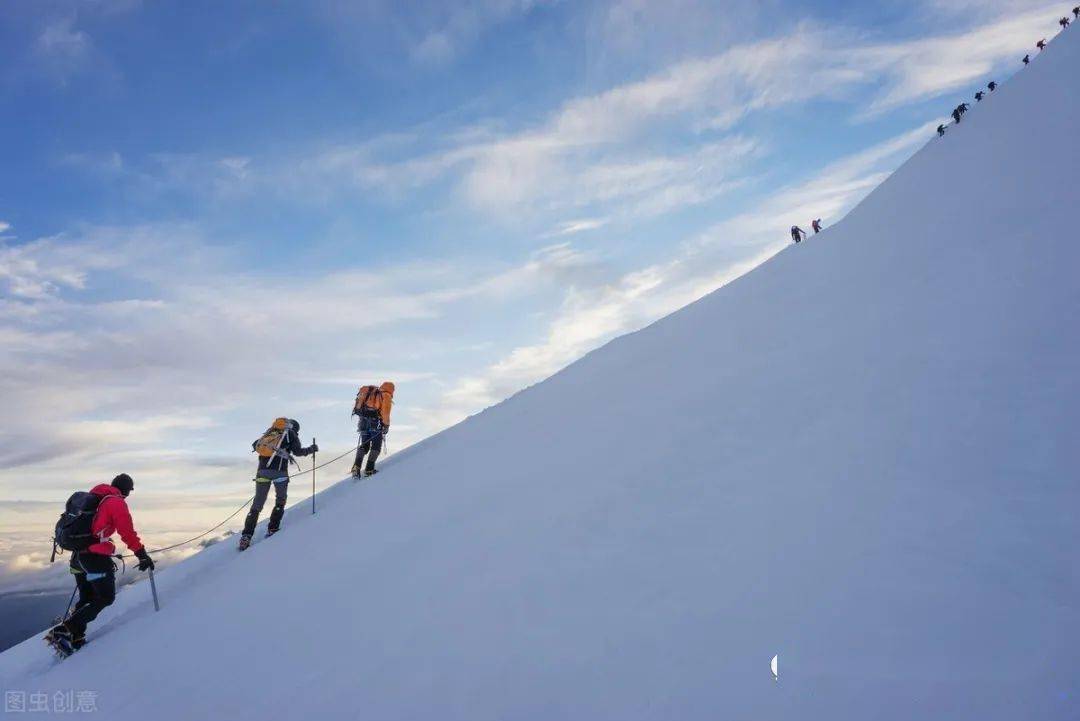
212, 214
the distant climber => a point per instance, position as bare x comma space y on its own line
373, 406
979, 96
941, 131
1076, 11
1064, 22
816, 225
1041, 44
963, 108
992, 86
276, 448
956, 115
1027, 59
85, 529
797, 233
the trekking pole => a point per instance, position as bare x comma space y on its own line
153, 590
313, 466
70, 601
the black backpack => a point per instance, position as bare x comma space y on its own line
73, 529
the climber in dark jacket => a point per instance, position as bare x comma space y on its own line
274, 470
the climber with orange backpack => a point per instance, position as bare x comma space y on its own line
276, 448
373, 407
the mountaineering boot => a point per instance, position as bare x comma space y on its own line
61, 640
355, 471
271, 531
370, 472
245, 541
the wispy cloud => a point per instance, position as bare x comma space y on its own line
425, 33
925, 68
597, 152
70, 357
580, 225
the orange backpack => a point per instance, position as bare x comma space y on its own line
269, 444
369, 397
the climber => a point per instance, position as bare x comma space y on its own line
1027, 59
979, 96
816, 225
956, 115
373, 407
941, 131
276, 448
1063, 22
992, 86
104, 511
1041, 44
797, 233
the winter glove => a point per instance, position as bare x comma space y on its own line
313, 448
145, 562
386, 430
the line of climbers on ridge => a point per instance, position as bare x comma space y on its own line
90, 518
959, 110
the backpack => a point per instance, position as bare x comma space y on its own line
269, 444
73, 529
368, 401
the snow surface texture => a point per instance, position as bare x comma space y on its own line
861, 456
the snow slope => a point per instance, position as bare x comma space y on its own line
861, 456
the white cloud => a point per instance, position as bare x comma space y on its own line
61, 51
581, 225
922, 69
425, 32
596, 155
457, 26
94, 377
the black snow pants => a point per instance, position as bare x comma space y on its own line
371, 446
371, 442
95, 578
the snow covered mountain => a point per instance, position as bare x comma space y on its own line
861, 456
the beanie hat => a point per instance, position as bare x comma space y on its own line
123, 483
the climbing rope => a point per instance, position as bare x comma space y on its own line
234, 513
